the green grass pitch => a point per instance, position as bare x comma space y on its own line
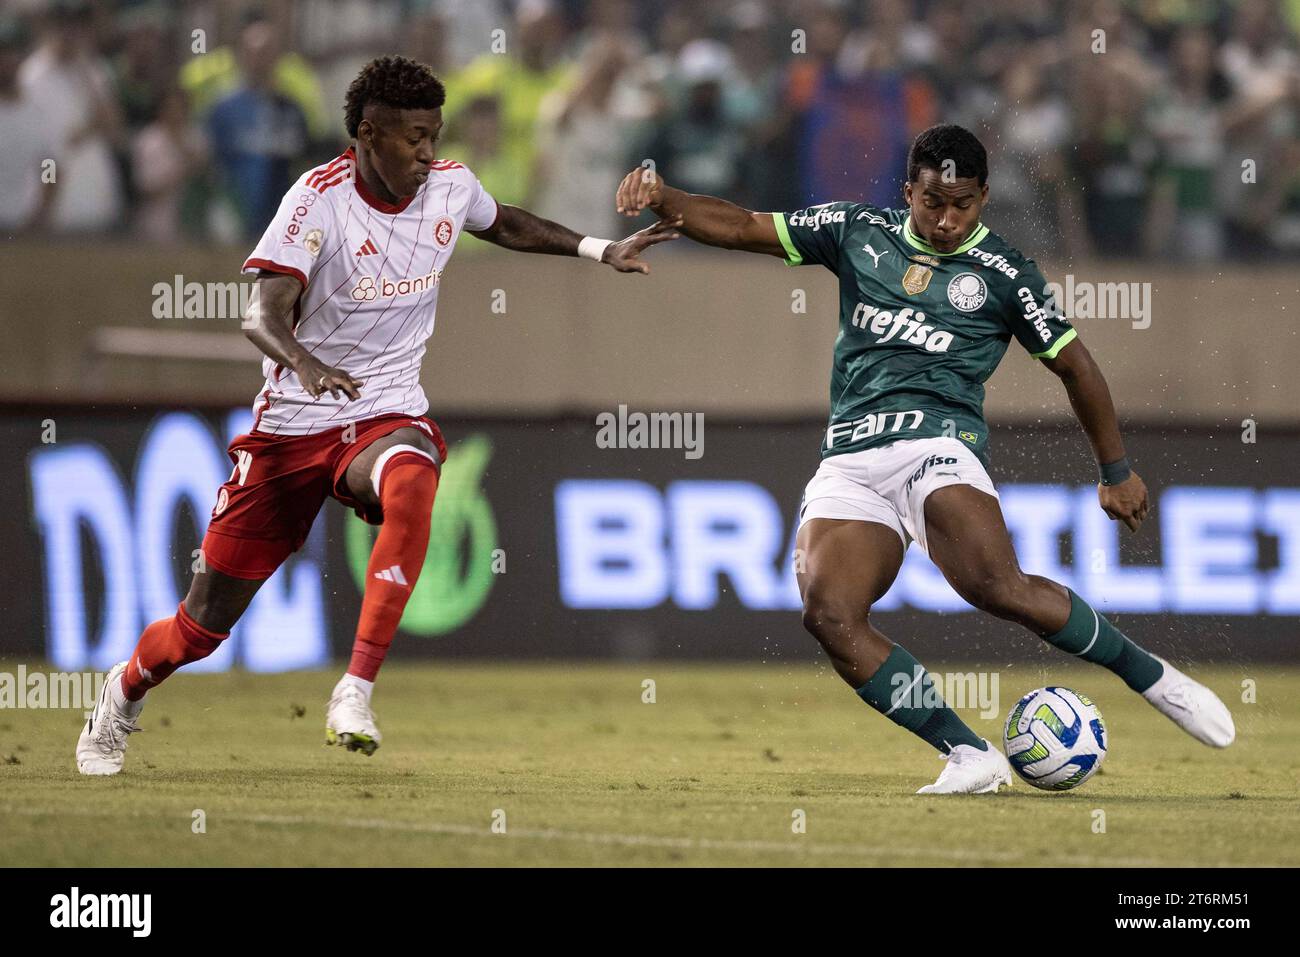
581, 771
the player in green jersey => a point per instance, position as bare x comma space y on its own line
929, 301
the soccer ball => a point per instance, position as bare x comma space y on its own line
1055, 738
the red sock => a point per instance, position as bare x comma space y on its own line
166, 645
407, 486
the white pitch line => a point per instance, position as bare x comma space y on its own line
893, 851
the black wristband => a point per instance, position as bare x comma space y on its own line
1113, 473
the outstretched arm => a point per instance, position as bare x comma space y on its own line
268, 326
705, 219
520, 230
1125, 499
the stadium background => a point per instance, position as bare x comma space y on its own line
1172, 158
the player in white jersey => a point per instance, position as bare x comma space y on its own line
348, 276
374, 270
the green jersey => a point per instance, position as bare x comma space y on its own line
920, 331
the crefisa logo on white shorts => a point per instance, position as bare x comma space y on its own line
925, 467
967, 292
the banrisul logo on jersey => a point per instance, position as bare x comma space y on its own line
368, 289
463, 557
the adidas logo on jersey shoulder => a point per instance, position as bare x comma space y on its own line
331, 174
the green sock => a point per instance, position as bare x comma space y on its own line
903, 691
1089, 636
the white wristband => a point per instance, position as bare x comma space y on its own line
592, 248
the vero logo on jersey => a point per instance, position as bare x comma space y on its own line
305, 202
369, 289
907, 325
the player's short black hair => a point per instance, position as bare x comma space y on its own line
947, 141
394, 81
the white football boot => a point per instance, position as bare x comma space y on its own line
102, 745
349, 720
971, 771
1192, 706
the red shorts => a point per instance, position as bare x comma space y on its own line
266, 508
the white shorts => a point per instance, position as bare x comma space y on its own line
889, 484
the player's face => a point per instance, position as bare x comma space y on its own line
944, 214
402, 145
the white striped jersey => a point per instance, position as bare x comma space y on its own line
370, 272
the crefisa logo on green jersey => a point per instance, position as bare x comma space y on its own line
1034, 313
994, 261
907, 325
816, 217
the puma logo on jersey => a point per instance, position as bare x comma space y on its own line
907, 326
875, 256
392, 574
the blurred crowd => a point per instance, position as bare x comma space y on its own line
1116, 128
